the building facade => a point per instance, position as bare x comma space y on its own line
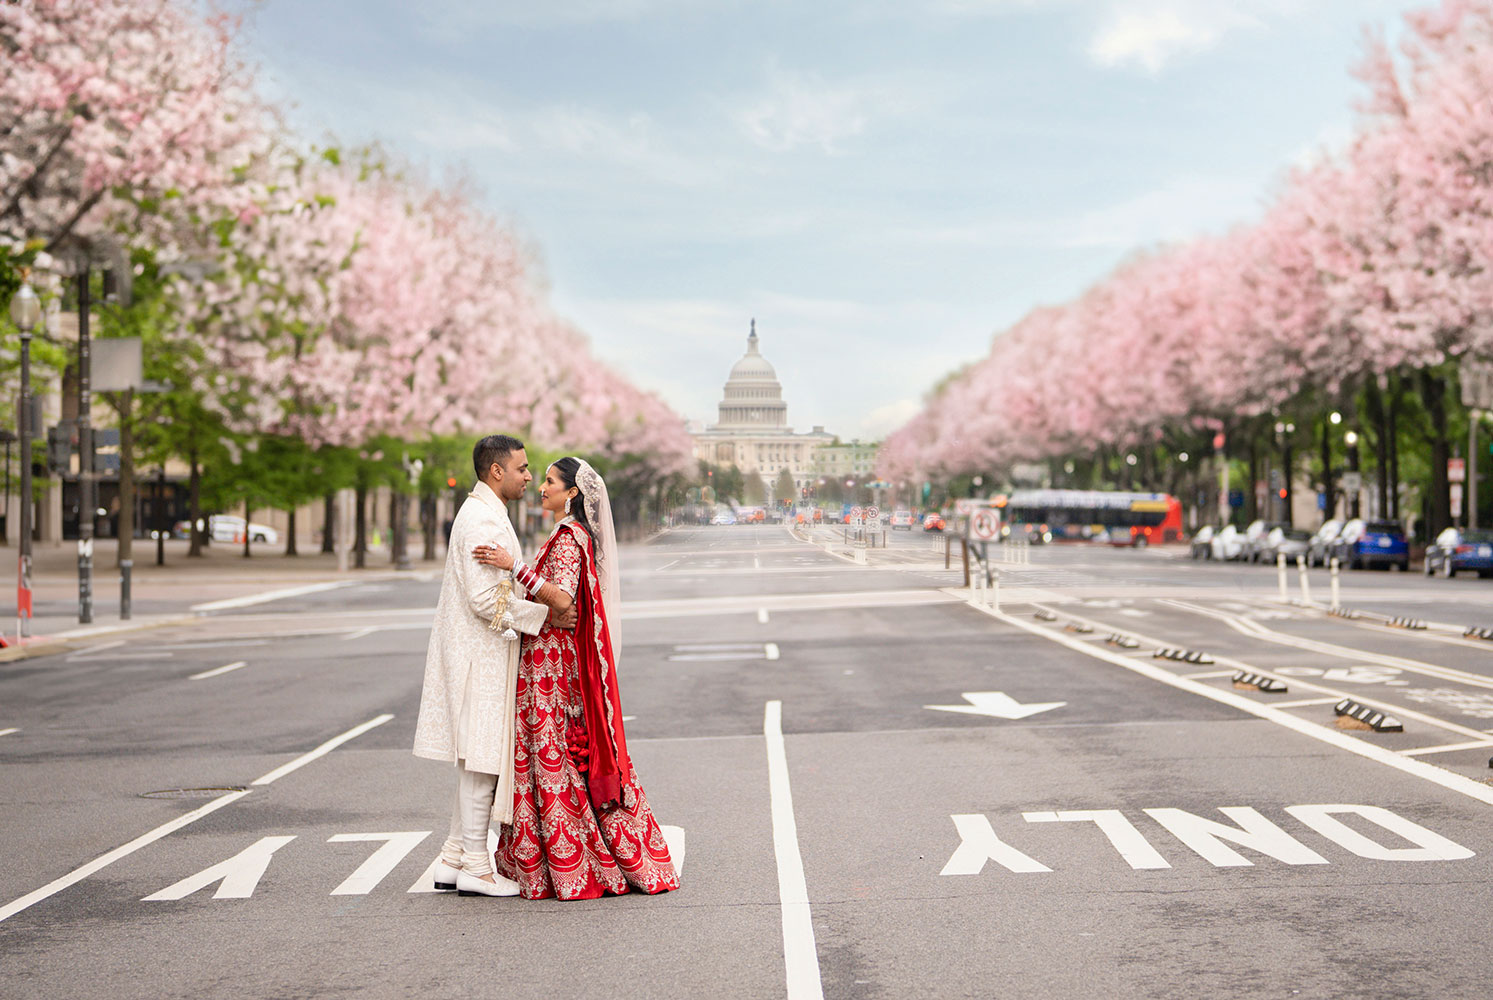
856, 460
751, 431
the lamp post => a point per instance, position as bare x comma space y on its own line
1351, 440
975, 484
1283, 431
25, 313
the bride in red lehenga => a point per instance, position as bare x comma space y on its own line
581, 824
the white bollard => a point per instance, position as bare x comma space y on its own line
1306, 588
1336, 593
995, 591
1280, 572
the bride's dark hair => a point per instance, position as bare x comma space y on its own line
566, 468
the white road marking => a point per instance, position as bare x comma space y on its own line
756, 562
7, 732
380, 863
674, 837
1304, 702
323, 750
1211, 673
271, 595
218, 670
1431, 846
979, 844
1130, 842
95, 649
426, 881
1448, 748
1409, 765
186, 819
996, 704
761, 616
361, 632
239, 875
213, 645
800, 956
1206, 836
770, 650
103, 861
864, 600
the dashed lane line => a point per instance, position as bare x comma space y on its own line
146, 839
7, 732
216, 671
800, 955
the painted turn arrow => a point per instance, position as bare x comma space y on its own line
997, 704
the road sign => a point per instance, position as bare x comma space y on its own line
1456, 470
1477, 385
1456, 490
856, 513
873, 512
984, 525
1352, 481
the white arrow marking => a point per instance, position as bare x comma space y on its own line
239, 875
384, 860
997, 704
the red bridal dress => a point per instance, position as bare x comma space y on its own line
581, 824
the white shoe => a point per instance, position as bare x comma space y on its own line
471, 885
445, 877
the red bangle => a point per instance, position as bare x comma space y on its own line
530, 580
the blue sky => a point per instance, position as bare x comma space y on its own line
884, 185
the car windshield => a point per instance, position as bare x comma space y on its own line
1389, 527
1477, 535
1298, 534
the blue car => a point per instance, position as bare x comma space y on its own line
1367, 544
1456, 549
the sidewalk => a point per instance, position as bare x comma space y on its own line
178, 591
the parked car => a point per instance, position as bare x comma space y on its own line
933, 522
1366, 544
1456, 549
1255, 535
1288, 542
1202, 542
723, 517
228, 528
1319, 550
901, 519
1227, 543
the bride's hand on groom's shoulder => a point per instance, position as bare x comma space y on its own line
493, 555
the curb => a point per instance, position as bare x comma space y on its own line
47, 645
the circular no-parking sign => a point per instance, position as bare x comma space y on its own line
872, 512
984, 525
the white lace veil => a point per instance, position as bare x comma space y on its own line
599, 515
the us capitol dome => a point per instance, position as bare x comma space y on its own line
751, 431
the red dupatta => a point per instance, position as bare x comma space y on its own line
608, 761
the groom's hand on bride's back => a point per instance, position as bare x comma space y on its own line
563, 619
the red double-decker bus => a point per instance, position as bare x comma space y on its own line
1137, 519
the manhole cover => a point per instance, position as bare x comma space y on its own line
192, 793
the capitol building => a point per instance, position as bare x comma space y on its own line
752, 431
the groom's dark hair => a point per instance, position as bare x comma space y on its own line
495, 448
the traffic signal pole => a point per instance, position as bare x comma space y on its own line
87, 501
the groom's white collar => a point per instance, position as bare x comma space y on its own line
485, 493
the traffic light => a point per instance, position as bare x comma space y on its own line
60, 443
451, 482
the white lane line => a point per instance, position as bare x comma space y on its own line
1305, 702
103, 861
215, 671
7, 732
1211, 673
95, 649
214, 645
326, 748
360, 633
270, 595
1448, 748
144, 840
756, 562
1409, 765
761, 616
800, 957
770, 650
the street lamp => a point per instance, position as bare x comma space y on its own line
26, 314
1335, 417
975, 484
1351, 440
1283, 432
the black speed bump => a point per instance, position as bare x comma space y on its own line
1123, 641
1343, 613
1079, 627
1400, 621
1371, 717
1477, 632
1045, 616
1269, 685
1182, 655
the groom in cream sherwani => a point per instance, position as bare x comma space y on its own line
467, 704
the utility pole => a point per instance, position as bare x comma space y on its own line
87, 499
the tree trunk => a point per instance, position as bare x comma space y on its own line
428, 513
247, 533
1380, 416
1439, 506
398, 526
1394, 446
329, 523
1252, 495
126, 550
194, 503
290, 549
360, 525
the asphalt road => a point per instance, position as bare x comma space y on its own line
966, 801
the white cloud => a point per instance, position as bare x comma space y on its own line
800, 109
1183, 209
1153, 34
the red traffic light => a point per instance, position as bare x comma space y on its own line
451, 481
1283, 492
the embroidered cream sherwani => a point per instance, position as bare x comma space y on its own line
467, 704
